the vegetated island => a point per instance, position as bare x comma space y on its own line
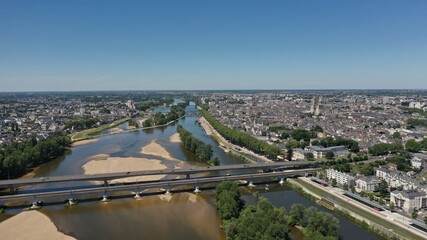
202, 150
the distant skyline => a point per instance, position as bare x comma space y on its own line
202, 45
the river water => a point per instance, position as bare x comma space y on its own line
183, 216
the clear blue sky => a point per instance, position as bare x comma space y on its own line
145, 45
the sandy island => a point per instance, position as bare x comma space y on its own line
103, 163
31, 225
175, 138
83, 142
153, 148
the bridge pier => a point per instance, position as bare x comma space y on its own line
251, 184
197, 190
12, 189
282, 181
36, 205
137, 195
72, 202
105, 198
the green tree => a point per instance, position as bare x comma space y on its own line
330, 155
396, 135
296, 214
309, 213
345, 186
391, 206
309, 156
324, 224
414, 214
147, 123
383, 188
284, 135
228, 200
385, 148
318, 128
413, 146
292, 144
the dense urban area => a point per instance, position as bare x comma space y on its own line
370, 145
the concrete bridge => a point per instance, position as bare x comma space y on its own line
105, 177
139, 187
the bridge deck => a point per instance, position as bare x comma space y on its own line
111, 176
138, 187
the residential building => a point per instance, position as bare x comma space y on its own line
408, 200
367, 184
320, 152
396, 179
340, 177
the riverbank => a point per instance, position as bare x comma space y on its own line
226, 144
31, 225
90, 133
366, 217
84, 142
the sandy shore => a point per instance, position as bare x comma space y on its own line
83, 142
102, 163
115, 130
204, 123
141, 122
175, 138
31, 225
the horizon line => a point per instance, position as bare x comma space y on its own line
205, 90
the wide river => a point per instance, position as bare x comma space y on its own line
183, 216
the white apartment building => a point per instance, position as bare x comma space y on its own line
320, 152
340, 177
409, 200
367, 184
396, 179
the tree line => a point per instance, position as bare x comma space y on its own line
146, 105
241, 138
202, 150
413, 122
82, 123
133, 123
265, 221
385, 148
414, 146
16, 158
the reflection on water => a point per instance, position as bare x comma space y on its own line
185, 216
